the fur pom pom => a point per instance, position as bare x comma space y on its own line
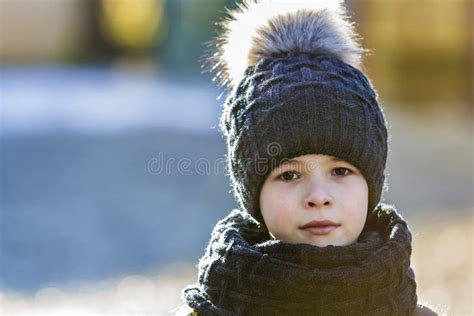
258, 29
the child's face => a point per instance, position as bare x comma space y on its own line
315, 188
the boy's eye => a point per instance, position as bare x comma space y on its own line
341, 171
288, 176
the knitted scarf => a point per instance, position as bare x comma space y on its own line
244, 272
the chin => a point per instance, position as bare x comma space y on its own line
325, 243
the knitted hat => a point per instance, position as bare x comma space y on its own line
296, 87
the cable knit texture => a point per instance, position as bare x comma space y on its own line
244, 272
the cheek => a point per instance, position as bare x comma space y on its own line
357, 204
276, 208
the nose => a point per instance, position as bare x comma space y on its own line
318, 196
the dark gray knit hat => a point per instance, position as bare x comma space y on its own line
296, 87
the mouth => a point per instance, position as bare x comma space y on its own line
319, 228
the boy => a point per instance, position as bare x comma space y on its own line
307, 149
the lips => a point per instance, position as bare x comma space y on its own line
323, 227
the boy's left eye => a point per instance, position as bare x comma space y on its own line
288, 176
341, 171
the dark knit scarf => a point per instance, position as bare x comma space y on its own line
245, 273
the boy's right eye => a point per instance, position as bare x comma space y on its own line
288, 176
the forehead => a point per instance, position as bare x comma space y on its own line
308, 161
319, 158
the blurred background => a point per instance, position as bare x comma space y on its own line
112, 165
